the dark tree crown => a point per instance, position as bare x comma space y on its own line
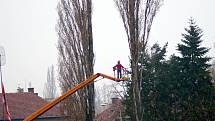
191, 50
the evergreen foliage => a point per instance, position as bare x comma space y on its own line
195, 89
178, 89
153, 70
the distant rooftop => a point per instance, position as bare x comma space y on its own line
113, 112
22, 104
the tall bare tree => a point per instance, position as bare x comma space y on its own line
76, 57
137, 16
49, 91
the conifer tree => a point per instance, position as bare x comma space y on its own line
153, 86
195, 90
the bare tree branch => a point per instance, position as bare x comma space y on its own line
49, 91
76, 57
137, 16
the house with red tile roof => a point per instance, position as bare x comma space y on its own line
113, 112
22, 104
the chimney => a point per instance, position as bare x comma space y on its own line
116, 101
20, 90
30, 89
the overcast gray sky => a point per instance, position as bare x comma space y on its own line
27, 33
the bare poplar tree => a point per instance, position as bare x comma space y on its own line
76, 57
137, 16
49, 91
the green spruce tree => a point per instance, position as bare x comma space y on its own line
153, 86
179, 89
154, 90
194, 86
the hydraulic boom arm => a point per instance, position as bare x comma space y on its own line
59, 99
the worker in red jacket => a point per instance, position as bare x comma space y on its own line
119, 69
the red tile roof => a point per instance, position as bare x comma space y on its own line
23, 104
111, 113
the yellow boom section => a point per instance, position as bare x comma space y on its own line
59, 99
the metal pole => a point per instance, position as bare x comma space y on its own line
2, 97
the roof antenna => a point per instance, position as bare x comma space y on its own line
19, 85
29, 84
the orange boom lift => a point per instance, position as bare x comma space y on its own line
61, 98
